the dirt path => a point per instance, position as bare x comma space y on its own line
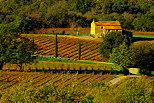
115, 80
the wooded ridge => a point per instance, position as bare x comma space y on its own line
23, 16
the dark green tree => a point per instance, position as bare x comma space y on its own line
22, 24
15, 49
81, 6
79, 50
56, 45
144, 56
113, 40
122, 56
119, 6
56, 15
144, 23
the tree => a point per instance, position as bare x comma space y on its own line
140, 54
122, 55
56, 46
20, 24
15, 49
81, 6
144, 55
113, 40
56, 14
120, 6
144, 22
127, 20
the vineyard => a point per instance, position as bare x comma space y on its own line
11, 80
49, 52
59, 80
72, 87
67, 46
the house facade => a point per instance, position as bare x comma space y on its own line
101, 28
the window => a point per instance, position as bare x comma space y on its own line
109, 30
101, 27
117, 30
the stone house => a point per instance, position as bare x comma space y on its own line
101, 28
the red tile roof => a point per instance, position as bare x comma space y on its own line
108, 23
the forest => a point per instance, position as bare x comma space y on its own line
25, 15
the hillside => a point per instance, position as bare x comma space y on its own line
47, 54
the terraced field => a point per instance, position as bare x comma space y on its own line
67, 46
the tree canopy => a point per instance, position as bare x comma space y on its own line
133, 14
113, 40
122, 56
15, 49
144, 55
139, 54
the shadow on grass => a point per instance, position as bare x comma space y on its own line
141, 39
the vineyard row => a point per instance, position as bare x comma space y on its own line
67, 47
47, 66
33, 79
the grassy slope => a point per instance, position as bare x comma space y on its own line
70, 61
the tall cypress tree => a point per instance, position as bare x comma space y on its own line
79, 50
56, 46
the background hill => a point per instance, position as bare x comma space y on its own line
23, 16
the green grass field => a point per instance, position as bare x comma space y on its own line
143, 36
72, 61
